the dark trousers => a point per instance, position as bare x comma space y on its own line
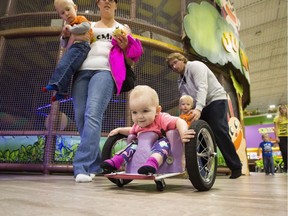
283, 148
215, 114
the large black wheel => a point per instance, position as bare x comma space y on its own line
201, 157
113, 145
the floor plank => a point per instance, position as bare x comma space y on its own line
35, 194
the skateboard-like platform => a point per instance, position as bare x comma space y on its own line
131, 176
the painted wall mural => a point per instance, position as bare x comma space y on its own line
211, 36
212, 32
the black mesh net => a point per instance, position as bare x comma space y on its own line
29, 52
29, 55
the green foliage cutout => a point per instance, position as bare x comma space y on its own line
31, 153
278, 164
65, 149
220, 158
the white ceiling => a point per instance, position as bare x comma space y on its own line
263, 31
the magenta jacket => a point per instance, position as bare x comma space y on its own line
117, 60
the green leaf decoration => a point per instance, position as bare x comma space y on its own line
206, 30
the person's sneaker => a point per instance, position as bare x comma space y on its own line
235, 174
82, 178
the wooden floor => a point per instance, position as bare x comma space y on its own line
36, 194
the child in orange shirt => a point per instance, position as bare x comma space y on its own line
185, 106
75, 54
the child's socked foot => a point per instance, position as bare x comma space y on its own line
111, 165
150, 167
147, 170
108, 166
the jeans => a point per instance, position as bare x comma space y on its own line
91, 92
268, 164
215, 114
69, 65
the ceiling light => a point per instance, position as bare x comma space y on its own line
272, 106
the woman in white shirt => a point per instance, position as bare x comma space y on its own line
93, 87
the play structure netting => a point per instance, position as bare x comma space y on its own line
29, 51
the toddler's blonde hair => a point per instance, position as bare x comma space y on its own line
144, 90
68, 1
186, 97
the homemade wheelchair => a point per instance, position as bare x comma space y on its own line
197, 158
